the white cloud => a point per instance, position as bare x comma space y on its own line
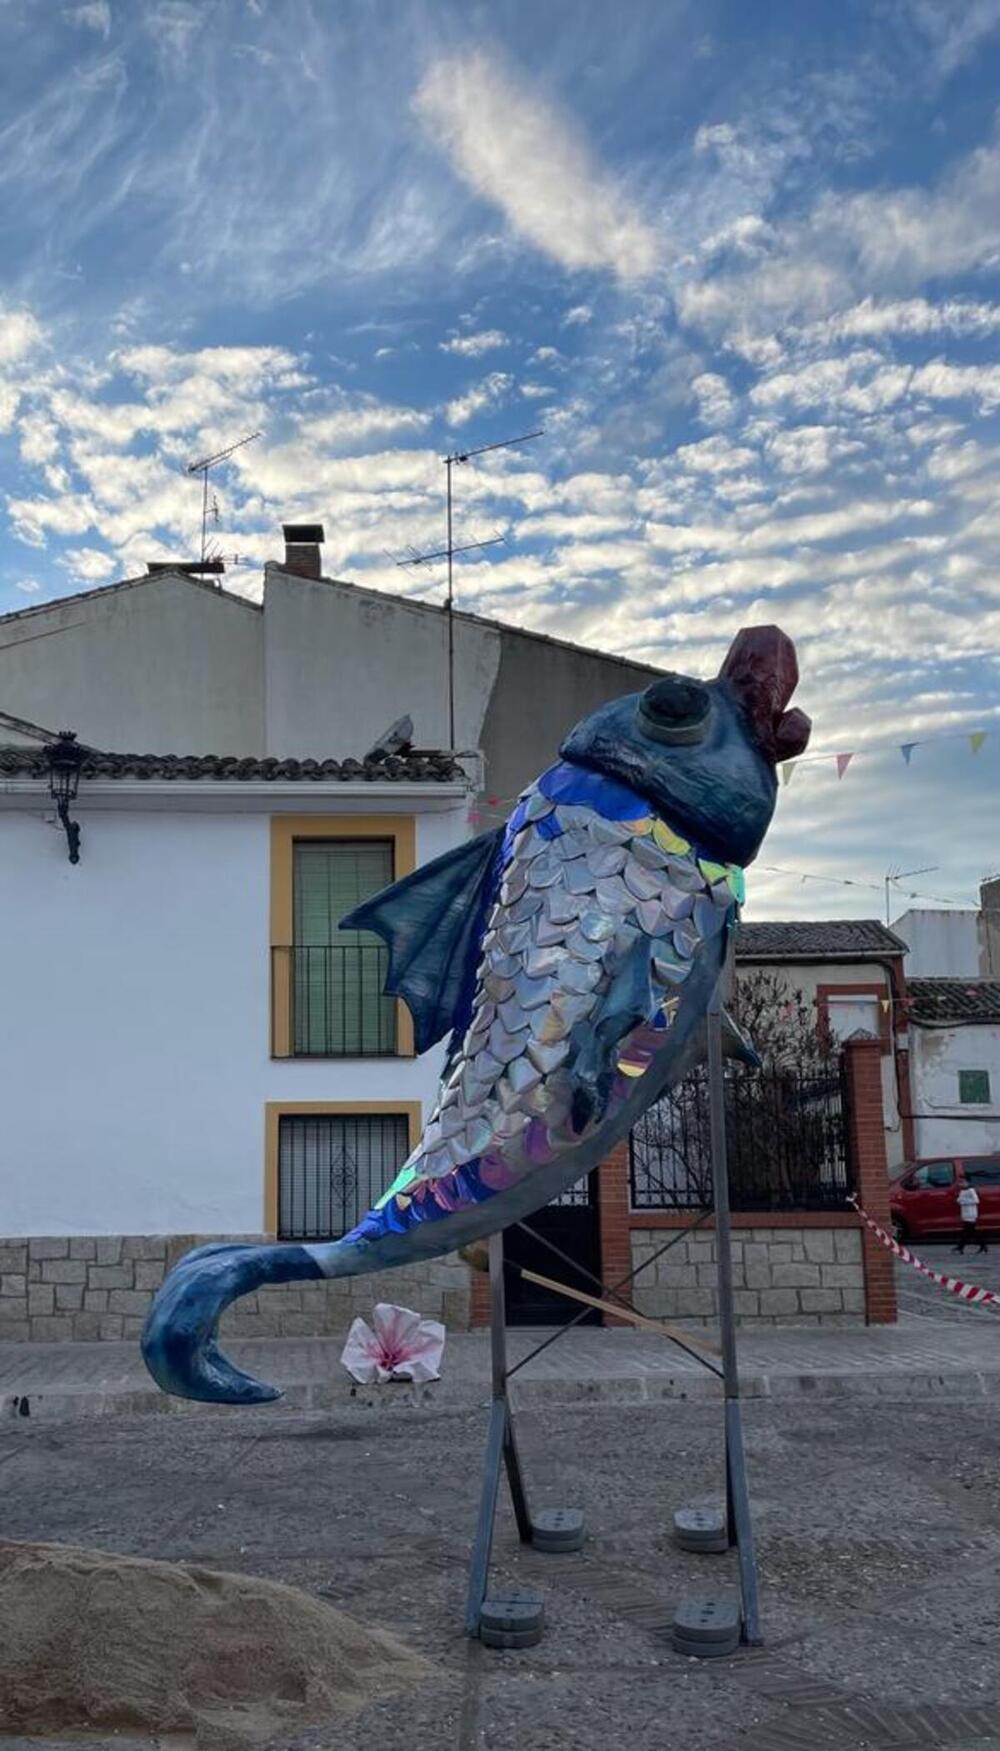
536, 391
361, 419
482, 395
90, 564
472, 346
517, 152
716, 404
578, 316
872, 319
955, 32
20, 334
714, 456
30, 586
95, 15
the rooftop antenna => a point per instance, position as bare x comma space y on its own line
202, 467
449, 552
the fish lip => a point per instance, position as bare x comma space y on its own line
762, 670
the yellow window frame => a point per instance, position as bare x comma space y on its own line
285, 829
276, 1110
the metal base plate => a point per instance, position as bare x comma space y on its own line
512, 1611
558, 1530
707, 1619
694, 1650
701, 1529
510, 1638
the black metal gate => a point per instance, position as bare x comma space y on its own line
572, 1223
787, 1141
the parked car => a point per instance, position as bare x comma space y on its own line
924, 1200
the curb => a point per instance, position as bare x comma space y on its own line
85, 1401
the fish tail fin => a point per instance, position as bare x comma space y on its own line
180, 1337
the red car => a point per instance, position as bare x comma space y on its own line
924, 1200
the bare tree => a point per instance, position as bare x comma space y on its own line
782, 1121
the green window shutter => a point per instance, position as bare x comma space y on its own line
339, 1008
974, 1087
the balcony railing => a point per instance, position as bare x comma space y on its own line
327, 1002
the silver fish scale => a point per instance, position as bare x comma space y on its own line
570, 908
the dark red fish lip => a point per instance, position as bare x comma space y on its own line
762, 669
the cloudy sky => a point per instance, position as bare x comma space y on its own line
739, 260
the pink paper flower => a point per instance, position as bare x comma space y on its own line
402, 1347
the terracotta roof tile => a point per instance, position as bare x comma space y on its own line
416, 767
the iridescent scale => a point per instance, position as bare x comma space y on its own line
586, 871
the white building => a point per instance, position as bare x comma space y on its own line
188, 1047
955, 1065
953, 985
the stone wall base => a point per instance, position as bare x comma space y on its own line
794, 1276
83, 1289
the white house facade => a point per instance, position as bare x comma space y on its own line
190, 1048
955, 1065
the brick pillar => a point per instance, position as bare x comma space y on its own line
866, 1120
613, 1212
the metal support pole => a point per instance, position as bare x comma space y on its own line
501, 1450
737, 1495
449, 462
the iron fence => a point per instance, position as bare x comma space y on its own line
332, 1167
335, 1002
786, 1141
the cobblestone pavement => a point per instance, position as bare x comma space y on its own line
877, 1526
921, 1299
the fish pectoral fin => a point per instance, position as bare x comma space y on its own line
626, 1004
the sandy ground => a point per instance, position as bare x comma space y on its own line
878, 1529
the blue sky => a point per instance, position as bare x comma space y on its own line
740, 261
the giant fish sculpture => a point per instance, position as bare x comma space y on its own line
570, 956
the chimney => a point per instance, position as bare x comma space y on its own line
302, 548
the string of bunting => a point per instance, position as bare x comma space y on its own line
975, 739
974, 1293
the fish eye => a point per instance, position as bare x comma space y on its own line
675, 709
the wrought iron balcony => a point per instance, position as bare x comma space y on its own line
327, 1002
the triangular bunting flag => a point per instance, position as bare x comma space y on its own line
885, 1006
787, 768
843, 762
976, 740
907, 751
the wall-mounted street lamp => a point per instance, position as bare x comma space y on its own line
65, 760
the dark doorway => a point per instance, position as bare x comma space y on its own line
572, 1223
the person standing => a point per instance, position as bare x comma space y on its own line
968, 1209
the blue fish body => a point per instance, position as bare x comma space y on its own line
570, 956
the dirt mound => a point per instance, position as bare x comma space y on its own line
89, 1640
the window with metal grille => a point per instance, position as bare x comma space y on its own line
332, 1167
974, 1088
338, 1006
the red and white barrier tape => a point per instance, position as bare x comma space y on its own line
971, 1292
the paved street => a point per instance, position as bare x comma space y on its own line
878, 1532
920, 1299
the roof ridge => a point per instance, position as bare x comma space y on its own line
36, 608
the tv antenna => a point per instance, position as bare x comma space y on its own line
449, 552
202, 467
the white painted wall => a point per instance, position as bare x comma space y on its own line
941, 945
342, 664
944, 1125
163, 666
134, 1025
